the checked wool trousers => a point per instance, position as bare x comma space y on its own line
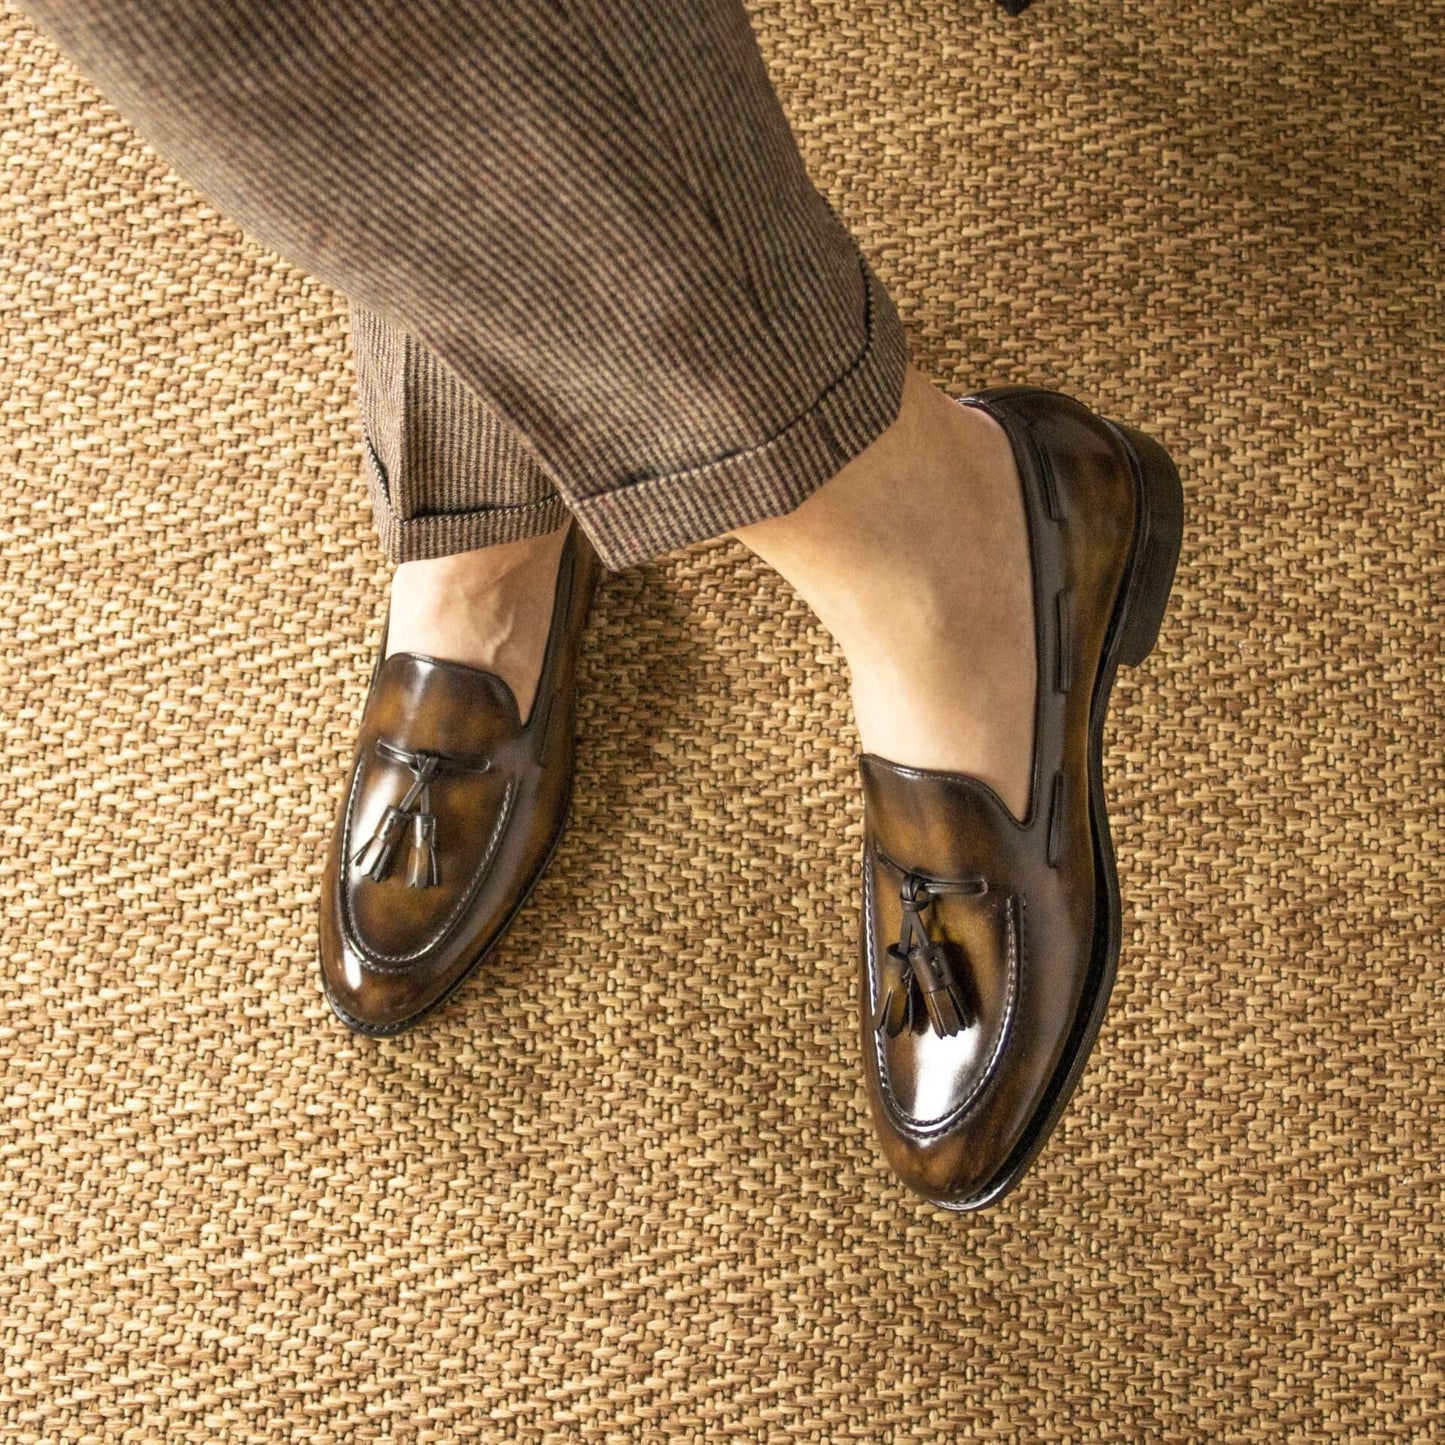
588, 271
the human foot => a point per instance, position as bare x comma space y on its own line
489, 608
915, 557
989, 945
448, 817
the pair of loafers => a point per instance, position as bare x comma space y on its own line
988, 944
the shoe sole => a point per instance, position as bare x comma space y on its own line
1133, 631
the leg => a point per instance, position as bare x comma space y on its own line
461, 505
936, 495
593, 212
597, 218
942, 663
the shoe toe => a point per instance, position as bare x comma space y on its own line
399, 934
371, 1001
411, 881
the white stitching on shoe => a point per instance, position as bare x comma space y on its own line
400, 962
1015, 928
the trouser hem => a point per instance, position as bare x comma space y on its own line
645, 518
441, 534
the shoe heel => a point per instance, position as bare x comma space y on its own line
1156, 548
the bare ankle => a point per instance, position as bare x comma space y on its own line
881, 513
915, 558
490, 608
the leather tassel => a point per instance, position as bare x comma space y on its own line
424, 871
948, 1010
895, 1004
381, 847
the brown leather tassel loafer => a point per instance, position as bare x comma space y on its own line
450, 815
989, 945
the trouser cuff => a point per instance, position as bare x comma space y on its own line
644, 518
440, 534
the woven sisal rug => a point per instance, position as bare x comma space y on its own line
624, 1188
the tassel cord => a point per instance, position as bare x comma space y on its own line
918, 988
376, 855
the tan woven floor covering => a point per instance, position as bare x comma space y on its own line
624, 1188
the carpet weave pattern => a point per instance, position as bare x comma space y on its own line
624, 1188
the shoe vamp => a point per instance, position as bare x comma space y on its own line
394, 922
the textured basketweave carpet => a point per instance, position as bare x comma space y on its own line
624, 1187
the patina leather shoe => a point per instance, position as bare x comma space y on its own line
450, 815
989, 944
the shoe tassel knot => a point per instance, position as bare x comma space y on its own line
376, 856
919, 986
